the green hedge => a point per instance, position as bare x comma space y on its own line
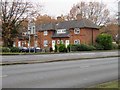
99, 47
11, 49
105, 40
5, 49
14, 49
82, 47
56, 48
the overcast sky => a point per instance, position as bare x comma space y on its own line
57, 7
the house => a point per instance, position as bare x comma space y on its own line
80, 31
68, 32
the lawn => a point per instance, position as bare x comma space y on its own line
112, 84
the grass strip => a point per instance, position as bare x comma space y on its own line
111, 84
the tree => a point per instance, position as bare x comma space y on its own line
12, 14
40, 19
111, 29
95, 11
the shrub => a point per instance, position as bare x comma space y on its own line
114, 46
68, 48
105, 40
5, 49
56, 48
74, 47
62, 48
118, 46
82, 47
14, 49
99, 47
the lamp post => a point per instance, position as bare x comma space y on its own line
29, 39
35, 36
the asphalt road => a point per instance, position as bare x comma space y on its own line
45, 57
65, 74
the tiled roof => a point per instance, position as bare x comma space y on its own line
83, 23
47, 26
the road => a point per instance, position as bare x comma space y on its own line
64, 74
45, 57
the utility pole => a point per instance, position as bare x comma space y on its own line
29, 33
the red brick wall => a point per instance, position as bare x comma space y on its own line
85, 36
42, 37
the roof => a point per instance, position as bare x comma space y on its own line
47, 26
83, 23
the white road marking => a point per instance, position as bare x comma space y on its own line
84, 66
3, 76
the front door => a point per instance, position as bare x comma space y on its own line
53, 44
67, 43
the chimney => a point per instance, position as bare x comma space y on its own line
59, 19
79, 16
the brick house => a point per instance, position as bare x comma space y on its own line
67, 32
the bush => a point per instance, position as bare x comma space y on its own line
68, 48
99, 47
105, 40
74, 47
5, 49
62, 48
82, 47
14, 49
118, 46
56, 48
114, 46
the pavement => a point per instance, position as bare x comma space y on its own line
64, 74
42, 58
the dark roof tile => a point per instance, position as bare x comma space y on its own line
83, 23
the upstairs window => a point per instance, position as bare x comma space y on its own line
76, 30
61, 31
45, 33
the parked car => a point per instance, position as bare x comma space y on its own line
23, 49
32, 49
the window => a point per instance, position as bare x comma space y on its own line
76, 30
45, 43
60, 31
45, 33
76, 41
58, 41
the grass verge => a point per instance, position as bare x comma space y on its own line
111, 84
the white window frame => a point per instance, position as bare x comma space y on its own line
45, 43
58, 41
45, 33
77, 31
78, 41
61, 31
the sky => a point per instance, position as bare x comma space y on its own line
57, 7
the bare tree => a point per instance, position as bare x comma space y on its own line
95, 11
12, 14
